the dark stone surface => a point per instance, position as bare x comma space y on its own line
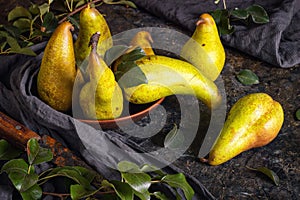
233, 180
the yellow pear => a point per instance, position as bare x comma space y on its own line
58, 71
167, 76
143, 40
90, 22
101, 97
204, 49
253, 121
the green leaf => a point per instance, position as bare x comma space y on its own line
44, 8
25, 51
222, 20
298, 114
133, 75
173, 139
121, 2
80, 192
114, 53
179, 181
37, 154
23, 24
13, 31
80, 3
140, 182
34, 9
71, 173
13, 43
88, 174
160, 195
18, 12
268, 172
33, 193
126, 166
123, 190
133, 55
247, 77
73, 21
240, 13
50, 22
8, 152
258, 14
29, 181
15, 165
151, 168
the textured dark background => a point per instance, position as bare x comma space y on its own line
233, 180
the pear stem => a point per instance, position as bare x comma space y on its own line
78, 10
94, 41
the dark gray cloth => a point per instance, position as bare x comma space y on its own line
19, 100
277, 42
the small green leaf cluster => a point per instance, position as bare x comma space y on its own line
225, 17
26, 27
135, 181
21, 173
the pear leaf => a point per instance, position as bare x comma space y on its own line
173, 139
258, 14
73, 174
35, 192
240, 13
139, 182
18, 12
160, 196
114, 53
247, 77
50, 22
34, 9
79, 192
44, 8
222, 20
22, 24
126, 166
37, 154
123, 190
15, 165
7, 152
298, 114
179, 181
73, 21
150, 168
89, 175
268, 172
121, 2
133, 55
133, 75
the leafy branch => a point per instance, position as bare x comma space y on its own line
135, 181
224, 18
28, 26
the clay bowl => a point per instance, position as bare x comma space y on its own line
136, 111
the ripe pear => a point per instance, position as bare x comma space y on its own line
167, 76
101, 97
204, 49
253, 121
142, 39
90, 22
58, 71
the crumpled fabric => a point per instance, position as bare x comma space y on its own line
19, 100
276, 42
